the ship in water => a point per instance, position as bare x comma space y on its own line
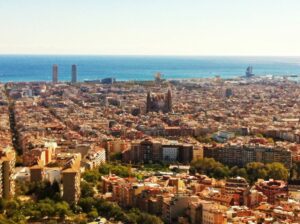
249, 72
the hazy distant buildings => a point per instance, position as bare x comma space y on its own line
249, 72
109, 80
74, 74
55, 74
159, 102
228, 92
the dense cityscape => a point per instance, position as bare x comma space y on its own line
187, 151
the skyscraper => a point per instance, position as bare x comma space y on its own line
74, 74
55, 74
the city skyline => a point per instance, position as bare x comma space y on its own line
132, 27
161, 112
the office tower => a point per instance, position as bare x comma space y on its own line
74, 74
55, 74
7, 171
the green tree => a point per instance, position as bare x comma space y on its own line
44, 189
93, 214
122, 171
46, 207
2, 205
220, 172
62, 209
91, 176
277, 171
210, 167
86, 204
256, 170
204, 139
242, 172
234, 171
136, 216
87, 189
116, 156
259, 135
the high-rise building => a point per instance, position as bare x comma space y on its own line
7, 171
71, 179
74, 74
55, 74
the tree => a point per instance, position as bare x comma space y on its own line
62, 209
234, 171
122, 171
46, 207
87, 189
256, 170
242, 172
11, 207
220, 172
277, 171
116, 156
2, 205
210, 167
136, 216
271, 140
205, 139
91, 176
93, 214
4, 220
44, 189
86, 204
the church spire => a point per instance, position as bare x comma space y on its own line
148, 103
169, 100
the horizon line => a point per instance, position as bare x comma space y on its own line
145, 55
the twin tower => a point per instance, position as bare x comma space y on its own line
55, 74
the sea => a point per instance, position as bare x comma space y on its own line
19, 68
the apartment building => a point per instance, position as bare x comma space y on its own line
156, 150
240, 155
71, 179
7, 171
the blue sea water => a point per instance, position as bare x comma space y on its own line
39, 67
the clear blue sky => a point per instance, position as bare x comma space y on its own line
150, 27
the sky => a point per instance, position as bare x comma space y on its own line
150, 27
